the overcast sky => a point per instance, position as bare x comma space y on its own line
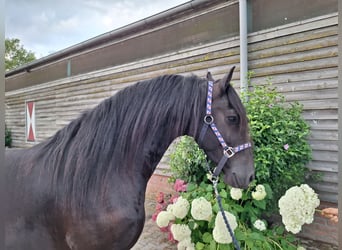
47, 26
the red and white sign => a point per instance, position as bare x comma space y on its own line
30, 122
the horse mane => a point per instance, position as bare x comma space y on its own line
120, 132
128, 129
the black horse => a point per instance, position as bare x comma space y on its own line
84, 188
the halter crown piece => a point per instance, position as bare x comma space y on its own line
228, 151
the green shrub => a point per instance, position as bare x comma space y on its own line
188, 161
8, 137
279, 134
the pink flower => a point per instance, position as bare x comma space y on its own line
154, 216
180, 185
160, 206
164, 229
286, 146
174, 198
170, 238
160, 197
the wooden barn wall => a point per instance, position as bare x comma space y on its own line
301, 59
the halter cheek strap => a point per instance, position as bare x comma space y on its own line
228, 151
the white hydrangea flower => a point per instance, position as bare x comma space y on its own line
163, 218
301, 248
169, 208
201, 209
297, 207
260, 225
181, 208
236, 193
259, 193
186, 244
180, 231
220, 232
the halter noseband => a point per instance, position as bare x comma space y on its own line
228, 151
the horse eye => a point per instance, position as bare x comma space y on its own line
232, 119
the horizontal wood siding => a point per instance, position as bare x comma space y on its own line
300, 59
303, 67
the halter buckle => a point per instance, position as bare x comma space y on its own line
208, 119
229, 152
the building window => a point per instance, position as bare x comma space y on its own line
30, 122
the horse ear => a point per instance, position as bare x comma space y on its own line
210, 77
225, 82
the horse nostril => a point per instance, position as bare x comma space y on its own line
251, 178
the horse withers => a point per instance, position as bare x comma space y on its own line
84, 188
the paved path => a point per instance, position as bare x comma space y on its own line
153, 239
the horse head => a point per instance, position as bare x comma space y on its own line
227, 142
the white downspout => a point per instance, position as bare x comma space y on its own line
243, 45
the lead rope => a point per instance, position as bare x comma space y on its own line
214, 180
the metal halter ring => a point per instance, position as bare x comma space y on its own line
208, 119
229, 152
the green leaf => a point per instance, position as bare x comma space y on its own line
191, 187
279, 230
207, 237
256, 236
240, 235
261, 204
224, 246
199, 246
212, 245
209, 188
223, 194
192, 224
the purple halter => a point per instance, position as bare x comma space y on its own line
228, 151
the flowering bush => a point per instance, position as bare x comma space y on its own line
197, 223
279, 133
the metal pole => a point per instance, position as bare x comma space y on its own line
243, 45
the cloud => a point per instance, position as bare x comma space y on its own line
45, 26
